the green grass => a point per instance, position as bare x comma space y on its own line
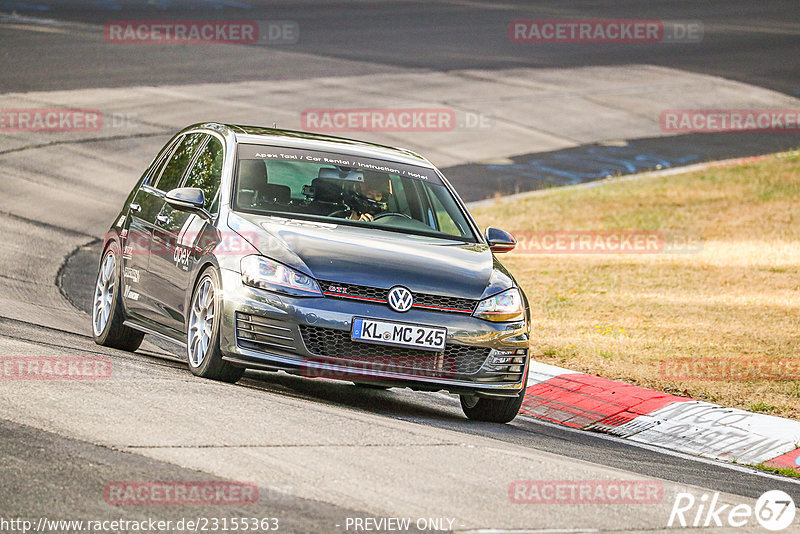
735, 296
785, 471
762, 407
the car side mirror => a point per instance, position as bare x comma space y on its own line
191, 199
500, 240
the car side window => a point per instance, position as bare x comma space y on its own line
158, 166
206, 173
181, 157
444, 221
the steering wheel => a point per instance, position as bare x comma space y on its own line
388, 213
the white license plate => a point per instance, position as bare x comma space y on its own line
398, 334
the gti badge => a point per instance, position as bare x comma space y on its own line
400, 299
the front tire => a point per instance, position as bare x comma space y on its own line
491, 410
107, 307
202, 331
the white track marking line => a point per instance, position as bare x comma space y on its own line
669, 452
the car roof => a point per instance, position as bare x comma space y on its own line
315, 141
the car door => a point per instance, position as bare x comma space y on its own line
161, 248
181, 234
136, 243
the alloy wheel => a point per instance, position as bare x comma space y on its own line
104, 293
201, 322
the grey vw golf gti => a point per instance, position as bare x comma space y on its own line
316, 255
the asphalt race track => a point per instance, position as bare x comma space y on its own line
322, 451
747, 42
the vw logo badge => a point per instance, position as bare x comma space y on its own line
400, 299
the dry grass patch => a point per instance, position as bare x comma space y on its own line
621, 316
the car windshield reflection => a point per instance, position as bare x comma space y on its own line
347, 189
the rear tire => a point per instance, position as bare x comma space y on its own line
491, 410
202, 331
107, 306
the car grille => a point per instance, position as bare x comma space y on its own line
259, 333
337, 345
376, 294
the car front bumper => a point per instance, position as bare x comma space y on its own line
310, 336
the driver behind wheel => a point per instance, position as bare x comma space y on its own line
368, 198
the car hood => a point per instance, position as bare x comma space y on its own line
377, 258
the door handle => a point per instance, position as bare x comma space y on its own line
163, 219
135, 207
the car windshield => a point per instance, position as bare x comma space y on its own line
347, 189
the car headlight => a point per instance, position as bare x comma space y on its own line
261, 272
505, 306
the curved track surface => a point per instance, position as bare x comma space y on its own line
319, 451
